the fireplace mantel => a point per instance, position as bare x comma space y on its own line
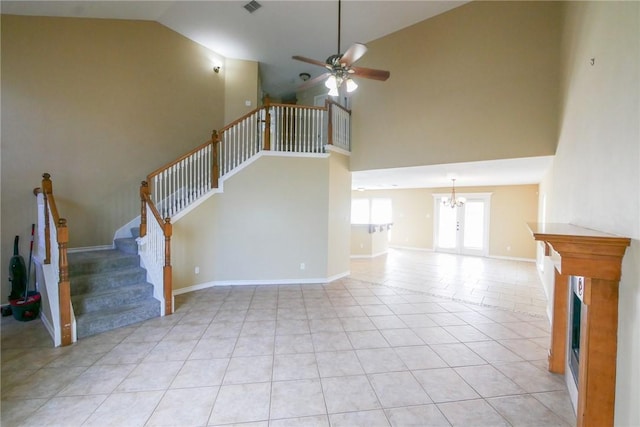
597, 257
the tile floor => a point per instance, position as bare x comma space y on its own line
348, 353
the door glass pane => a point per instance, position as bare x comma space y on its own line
474, 224
447, 227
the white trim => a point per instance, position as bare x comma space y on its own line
511, 258
412, 248
333, 148
125, 231
274, 153
369, 256
90, 248
197, 203
259, 282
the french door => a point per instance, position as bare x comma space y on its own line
462, 230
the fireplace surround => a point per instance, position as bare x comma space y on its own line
595, 260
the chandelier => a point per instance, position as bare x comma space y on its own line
452, 201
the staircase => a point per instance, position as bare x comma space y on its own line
109, 288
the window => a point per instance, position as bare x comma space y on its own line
371, 211
360, 211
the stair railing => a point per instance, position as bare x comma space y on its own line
172, 188
339, 126
155, 248
56, 260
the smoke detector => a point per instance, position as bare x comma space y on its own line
252, 6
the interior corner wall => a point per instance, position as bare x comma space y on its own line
511, 208
98, 104
241, 88
595, 178
339, 214
479, 82
271, 218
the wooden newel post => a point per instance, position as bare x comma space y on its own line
215, 171
167, 271
64, 287
144, 193
47, 188
329, 122
267, 124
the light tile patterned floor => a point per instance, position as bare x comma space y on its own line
348, 353
513, 285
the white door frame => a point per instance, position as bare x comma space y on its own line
459, 249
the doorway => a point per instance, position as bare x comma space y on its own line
462, 230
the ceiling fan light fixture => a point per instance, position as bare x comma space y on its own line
333, 91
331, 83
351, 85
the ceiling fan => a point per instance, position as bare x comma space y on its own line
341, 69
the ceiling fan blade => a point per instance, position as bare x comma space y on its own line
354, 53
313, 81
309, 60
370, 73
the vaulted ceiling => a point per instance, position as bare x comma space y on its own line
270, 35
275, 32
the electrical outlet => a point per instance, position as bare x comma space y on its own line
197, 270
302, 266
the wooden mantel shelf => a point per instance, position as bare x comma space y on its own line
597, 257
584, 252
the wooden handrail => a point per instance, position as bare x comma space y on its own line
62, 233
300, 107
178, 160
333, 103
235, 122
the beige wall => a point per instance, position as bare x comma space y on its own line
99, 104
339, 213
367, 243
241, 85
479, 82
595, 179
306, 97
272, 216
511, 208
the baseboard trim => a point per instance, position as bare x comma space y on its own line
509, 258
259, 282
412, 248
369, 256
49, 327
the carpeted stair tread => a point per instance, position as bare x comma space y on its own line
111, 298
109, 288
105, 320
98, 282
99, 261
127, 245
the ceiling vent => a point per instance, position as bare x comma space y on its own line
252, 6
